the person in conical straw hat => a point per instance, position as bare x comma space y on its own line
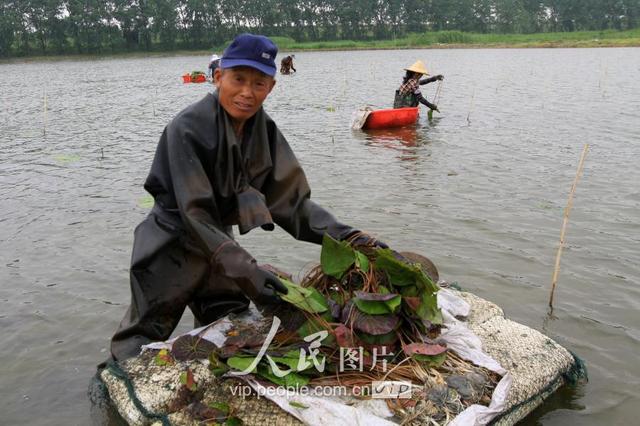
408, 94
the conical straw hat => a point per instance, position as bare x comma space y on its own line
419, 67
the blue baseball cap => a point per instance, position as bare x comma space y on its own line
250, 50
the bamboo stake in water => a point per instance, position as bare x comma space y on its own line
567, 210
471, 106
44, 112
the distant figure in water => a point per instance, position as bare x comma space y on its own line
214, 62
286, 65
409, 95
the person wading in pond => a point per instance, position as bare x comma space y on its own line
286, 65
214, 62
409, 95
220, 162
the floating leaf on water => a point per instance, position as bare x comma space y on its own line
336, 257
191, 347
66, 158
307, 299
377, 304
145, 202
187, 379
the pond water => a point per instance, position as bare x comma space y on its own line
480, 189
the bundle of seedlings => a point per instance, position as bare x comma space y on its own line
364, 314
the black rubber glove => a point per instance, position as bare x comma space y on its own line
261, 286
439, 77
361, 239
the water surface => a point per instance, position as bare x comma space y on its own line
480, 189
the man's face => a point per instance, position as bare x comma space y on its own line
242, 90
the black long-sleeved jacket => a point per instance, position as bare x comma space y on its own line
206, 180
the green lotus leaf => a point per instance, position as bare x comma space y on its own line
307, 299
241, 363
381, 339
376, 303
431, 360
336, 257
400, 274
292, 379
362, 261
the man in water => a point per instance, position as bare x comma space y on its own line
214, 62
286, 65
220, 162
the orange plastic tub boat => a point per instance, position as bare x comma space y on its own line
385, 118
200, 78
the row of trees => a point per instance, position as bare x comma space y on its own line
102, 26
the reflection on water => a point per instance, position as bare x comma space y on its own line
404, 139
565, 398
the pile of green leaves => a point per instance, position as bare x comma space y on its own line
379, 300
370, 298
358, 297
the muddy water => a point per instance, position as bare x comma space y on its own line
480, 189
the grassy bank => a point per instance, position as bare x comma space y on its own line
432, 40
458, 39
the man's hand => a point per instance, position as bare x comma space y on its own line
261, 286
439, 77
362, 239
267, 286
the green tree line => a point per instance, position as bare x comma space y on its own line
49, 27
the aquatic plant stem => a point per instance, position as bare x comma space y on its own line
567, 210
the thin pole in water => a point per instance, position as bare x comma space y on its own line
44, 112
471, 106
567, 210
